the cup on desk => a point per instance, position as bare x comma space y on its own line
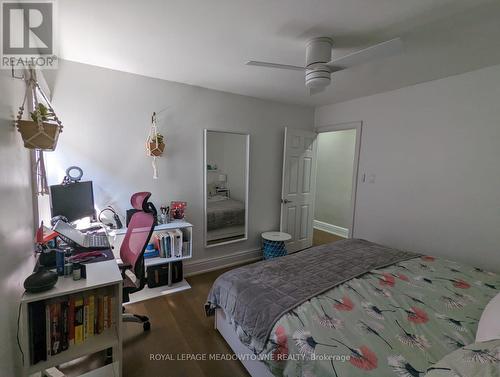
60, 261
68, 269
77, 271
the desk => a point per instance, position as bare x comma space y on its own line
100, 274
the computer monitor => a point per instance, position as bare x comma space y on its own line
73, 201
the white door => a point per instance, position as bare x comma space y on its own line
298, 188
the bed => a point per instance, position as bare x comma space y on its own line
383, 313
225, 217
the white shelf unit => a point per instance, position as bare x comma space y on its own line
116, 238
99, 275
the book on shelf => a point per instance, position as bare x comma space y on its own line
64, 327
105, 311
90, 322
55, 330
100, 314
178, 242
38, 335
56, 325
170, 243
71, 321
78, 321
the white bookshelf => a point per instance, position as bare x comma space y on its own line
116, 238
99, 275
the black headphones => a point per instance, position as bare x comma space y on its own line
118, 223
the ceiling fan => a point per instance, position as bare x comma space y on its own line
319, 64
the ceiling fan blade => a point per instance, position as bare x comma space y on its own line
274, 65
377, 51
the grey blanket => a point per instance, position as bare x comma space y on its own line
225, 213
258, 295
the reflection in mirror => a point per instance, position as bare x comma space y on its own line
226, 187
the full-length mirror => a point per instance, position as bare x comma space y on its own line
226, 187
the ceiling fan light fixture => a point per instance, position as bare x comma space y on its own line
319, 64
318, 77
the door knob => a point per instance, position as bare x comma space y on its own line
285, 201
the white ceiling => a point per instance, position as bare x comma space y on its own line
206, 42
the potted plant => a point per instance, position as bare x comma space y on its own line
42, 131
156, 145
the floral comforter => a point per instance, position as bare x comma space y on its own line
475, 360
396, 321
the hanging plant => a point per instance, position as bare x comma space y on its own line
156, 145
41, 132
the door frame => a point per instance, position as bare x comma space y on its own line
358, 126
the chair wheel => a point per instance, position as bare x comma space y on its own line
146, 326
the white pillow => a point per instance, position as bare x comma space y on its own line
488, 327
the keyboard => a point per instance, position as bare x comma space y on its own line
97, 240
87, 240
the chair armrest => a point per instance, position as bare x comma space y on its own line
122, 265
130, 276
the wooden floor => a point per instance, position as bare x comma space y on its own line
179, 329
320, 237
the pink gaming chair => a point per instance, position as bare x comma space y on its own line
139, 231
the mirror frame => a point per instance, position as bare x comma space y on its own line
205, 193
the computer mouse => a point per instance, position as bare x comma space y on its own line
39, 281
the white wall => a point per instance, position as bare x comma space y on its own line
106, 117
334, 177
435, 151
16, 221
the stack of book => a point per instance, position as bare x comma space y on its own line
64, 322
169, 243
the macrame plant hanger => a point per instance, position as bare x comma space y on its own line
154, 145
38, 137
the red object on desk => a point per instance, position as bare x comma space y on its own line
44, 234
86, 254
177, 210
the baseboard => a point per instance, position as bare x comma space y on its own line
330, 228
210, 264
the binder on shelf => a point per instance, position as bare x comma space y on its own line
38, 334
178, 243
168, 244
47, 329
172, 238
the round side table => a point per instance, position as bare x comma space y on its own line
273, 244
